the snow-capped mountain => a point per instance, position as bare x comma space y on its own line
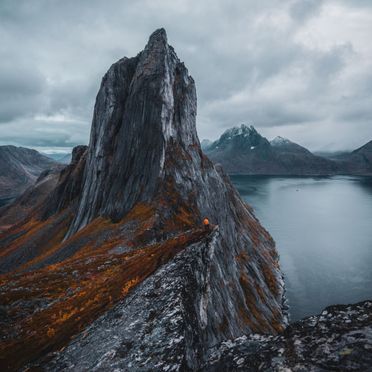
242, 150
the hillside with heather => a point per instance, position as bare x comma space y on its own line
140, 255
125, 208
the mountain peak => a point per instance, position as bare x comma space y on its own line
279, 141
243, 129
249, 128
133, 205
136, 119
159, 35
243, 137
158, 40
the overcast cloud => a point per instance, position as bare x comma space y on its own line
301, 69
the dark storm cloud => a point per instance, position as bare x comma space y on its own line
296, 67
20, 90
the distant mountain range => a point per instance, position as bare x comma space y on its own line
19, 168
63, 158
242, 150
358, 161
141, 255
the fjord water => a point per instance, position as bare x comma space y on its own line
323, 232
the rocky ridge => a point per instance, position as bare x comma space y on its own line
359, 161
338, 339
126, 207
242, 150
19, 169
111, 268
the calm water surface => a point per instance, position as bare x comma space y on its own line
323, 231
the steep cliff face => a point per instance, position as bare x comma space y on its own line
144, 105
125, 219
144, 146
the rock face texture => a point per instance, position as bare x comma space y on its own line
19, 168
144, 104
122, 232
242, 150
157, 327
69, 185
109, 267
144, 146
339, 339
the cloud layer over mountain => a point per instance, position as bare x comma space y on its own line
301, 69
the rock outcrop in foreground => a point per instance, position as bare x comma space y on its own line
118, 245
339, 339
109, 268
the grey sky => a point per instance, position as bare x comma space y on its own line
301, 69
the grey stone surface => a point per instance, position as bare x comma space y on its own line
158, 327
338, 339
226, 285
135, 117
144, 148
144, 138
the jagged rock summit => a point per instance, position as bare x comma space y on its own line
119, 243
145, 111
242, 139
280, 141
242, 150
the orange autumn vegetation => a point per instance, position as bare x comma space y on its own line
85, 285
40, 236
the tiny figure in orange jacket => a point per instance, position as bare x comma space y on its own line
206, 224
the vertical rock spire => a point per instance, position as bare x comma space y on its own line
134, 118
143, 142
144, 154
